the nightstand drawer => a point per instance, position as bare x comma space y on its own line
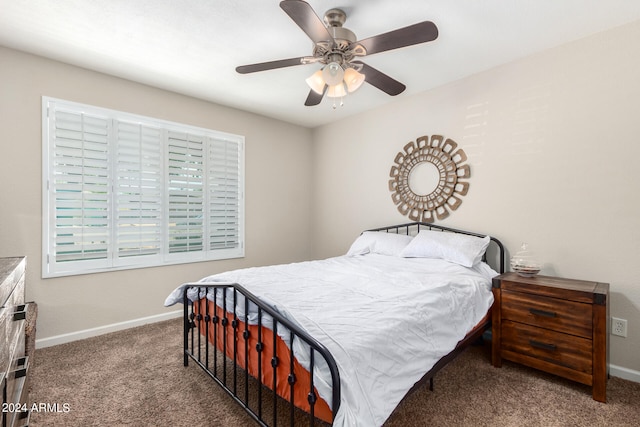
551, 313
554, 347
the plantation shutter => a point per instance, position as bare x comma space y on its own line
139, 187
224, 195
186, 156
80, 188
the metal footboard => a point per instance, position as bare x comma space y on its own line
226, 360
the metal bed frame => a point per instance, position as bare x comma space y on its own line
221, 364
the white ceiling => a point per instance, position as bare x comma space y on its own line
193, 46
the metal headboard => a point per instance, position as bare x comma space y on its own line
412, 228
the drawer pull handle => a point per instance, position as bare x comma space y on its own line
543, 313
543, 346
20, 313
22, 366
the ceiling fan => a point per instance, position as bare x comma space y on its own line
338, 50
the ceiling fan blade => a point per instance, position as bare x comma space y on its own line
304, 16
380, 80
264, 66
408, 36
314, 97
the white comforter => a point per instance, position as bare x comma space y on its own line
386, 320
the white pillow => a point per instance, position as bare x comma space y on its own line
379, 242
454, 247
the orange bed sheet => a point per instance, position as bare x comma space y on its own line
303, 382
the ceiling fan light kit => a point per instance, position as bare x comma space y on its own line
337, 78
338, 49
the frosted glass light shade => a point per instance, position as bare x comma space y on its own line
337, 91
333, 74
316, 82
353, 79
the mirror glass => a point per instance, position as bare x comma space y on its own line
424, 178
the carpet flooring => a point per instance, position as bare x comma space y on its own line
136, 377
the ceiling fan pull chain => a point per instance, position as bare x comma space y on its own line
335, 106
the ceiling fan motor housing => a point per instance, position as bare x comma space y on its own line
341, 34
343, 38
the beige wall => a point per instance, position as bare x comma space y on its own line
277, 207
553, 142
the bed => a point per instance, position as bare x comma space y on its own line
343, 340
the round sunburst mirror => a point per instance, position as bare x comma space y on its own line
428, 178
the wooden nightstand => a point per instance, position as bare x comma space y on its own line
553, 324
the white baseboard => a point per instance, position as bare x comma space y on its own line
624, 373
94, 332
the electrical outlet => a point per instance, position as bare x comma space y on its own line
619, 327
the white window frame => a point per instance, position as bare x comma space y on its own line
138, 211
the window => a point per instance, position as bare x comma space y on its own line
125, 191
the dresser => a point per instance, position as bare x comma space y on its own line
13, 363
555, 325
